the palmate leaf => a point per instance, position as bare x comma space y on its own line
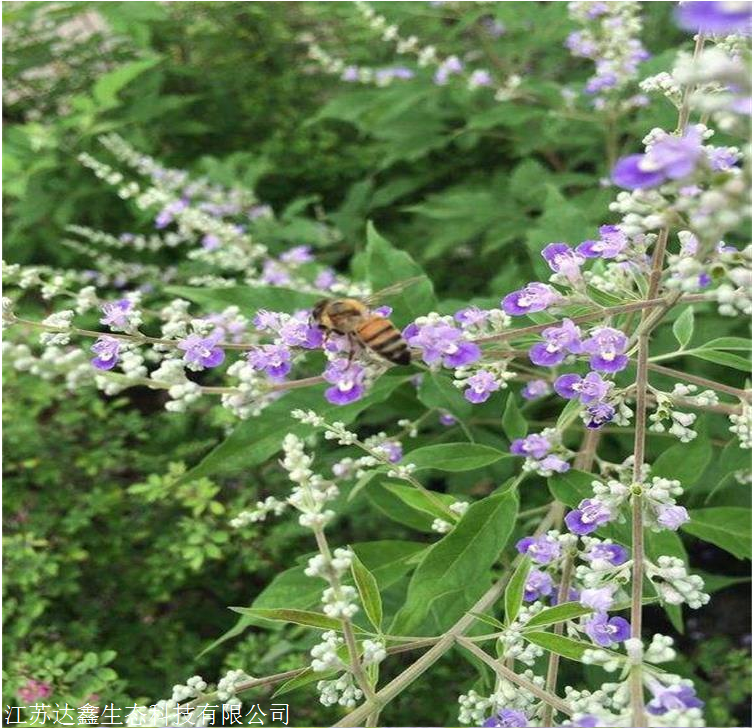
369, 592
685, 461
459, 562
514, 423
388, 562
558, 613
293, 616
453, 457
683, 326
514, 591
726, 527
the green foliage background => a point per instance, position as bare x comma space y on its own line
472, 189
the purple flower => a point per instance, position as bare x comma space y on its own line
721, 158
298, 254
671, 157
266, 320
274, 359
717, 18
447, 420
610, 553
676, 697
450, 66
588, 517
350, 73
442, 342
116, 313
348, 381
274, 274
325, 279
392, 449
538, 584
210, 242
494, 27
535, 389
606, 632
383, 311
600, 599
612, 242
599, 413
672, 517
480, 78
480, 386
606, 346
297, 331
558, 342
553, 464
580, 45
202, 351
107, 349
585, 721
257, 211
507, 718
601, 82
572, 596
168, 213
541, 549
532, 446
470, 317
591, 388
531, 298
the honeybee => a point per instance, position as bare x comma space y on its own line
354, 318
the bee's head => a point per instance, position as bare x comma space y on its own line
318, 308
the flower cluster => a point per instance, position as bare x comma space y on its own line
544, 452
610, 38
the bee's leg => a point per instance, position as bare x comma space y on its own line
353, 345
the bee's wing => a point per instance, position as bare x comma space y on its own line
396, 288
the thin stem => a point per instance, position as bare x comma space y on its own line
601, 313
356, 667
552, 701
583, 461
418, 668
742, 394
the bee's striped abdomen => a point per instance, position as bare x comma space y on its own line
381, 336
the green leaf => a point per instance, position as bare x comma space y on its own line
563, 646
514, 423
386, 266
259, 438
558, 613
453, 457
107, 86
369, 592
572, 487
724, 358
727, 343
514, 590
459, 562
568, 413
684, 461
487, 619
389, 560
727, 527
683, 327
296, 616
419, 500
305, 678
438, 392
248, 298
